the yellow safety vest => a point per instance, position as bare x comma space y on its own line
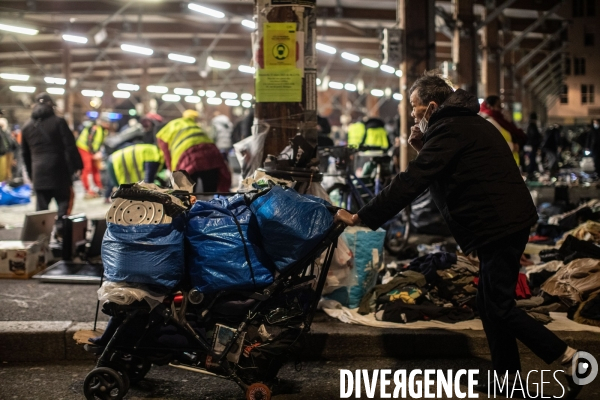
128, 163
506, 135
91, 139
376, 137
181, 134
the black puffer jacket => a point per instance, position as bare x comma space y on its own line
472, 175
49, 150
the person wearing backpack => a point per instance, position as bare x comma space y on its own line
51, 157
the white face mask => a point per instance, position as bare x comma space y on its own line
424, 122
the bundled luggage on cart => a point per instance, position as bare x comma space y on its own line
226, 288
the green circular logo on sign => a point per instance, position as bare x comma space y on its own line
281, 51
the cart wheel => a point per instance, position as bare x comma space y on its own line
124, 374
258, 391
104, 384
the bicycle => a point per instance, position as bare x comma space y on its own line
353, 192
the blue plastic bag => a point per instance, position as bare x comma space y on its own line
146, 254
10, 196
362, 242
224, 247
290, 225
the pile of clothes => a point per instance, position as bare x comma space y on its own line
438, 286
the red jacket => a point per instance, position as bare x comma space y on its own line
518, 136
201, 157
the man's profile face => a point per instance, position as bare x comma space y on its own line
418, 108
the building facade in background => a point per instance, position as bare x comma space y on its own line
579, 99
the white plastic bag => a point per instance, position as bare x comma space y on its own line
125, 293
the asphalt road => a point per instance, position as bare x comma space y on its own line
317, 380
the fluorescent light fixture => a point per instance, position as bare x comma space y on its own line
92, 93
192, 99
377, 92
336, 85
229, 95
246, 104
181, 58
171, 97
24, 89
246, 96
183, 91
246, 69
318, 82
55, 90
15, 77
75, 39
137, 49
218, 64
157, 89
399, 73
398, 96
351, 87
206, 10
249, 24
201, 93
215, 101
325, 48
55, 81
387, 68
369, 63
350, 57
18, 29
120, 94
128, 86
232, 103
211, 93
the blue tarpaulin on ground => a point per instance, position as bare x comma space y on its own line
144, 254
224, 247
14, 195
291, 225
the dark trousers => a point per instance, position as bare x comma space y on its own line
503, 321
64, 199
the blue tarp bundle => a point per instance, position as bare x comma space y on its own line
220, 258
290, 225
17, 195
146, 254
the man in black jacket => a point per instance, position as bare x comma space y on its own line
478, 188
534, 139
51, 157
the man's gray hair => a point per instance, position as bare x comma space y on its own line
432, 87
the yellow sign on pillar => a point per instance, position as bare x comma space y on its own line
280, 80
280, 45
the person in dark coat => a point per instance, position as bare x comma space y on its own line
51, 157
475, 183
534, 140
551, 147
324, 129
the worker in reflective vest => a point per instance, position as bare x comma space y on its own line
187, 147
370, 133
136, 163
89, 143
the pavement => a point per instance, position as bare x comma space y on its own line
38, 320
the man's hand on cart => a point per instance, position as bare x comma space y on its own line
347, 218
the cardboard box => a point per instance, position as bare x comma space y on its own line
21, 260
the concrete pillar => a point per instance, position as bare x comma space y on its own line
464, 46
508, 73
416, 18
289, 118
68, 97
144, 96
490, 60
